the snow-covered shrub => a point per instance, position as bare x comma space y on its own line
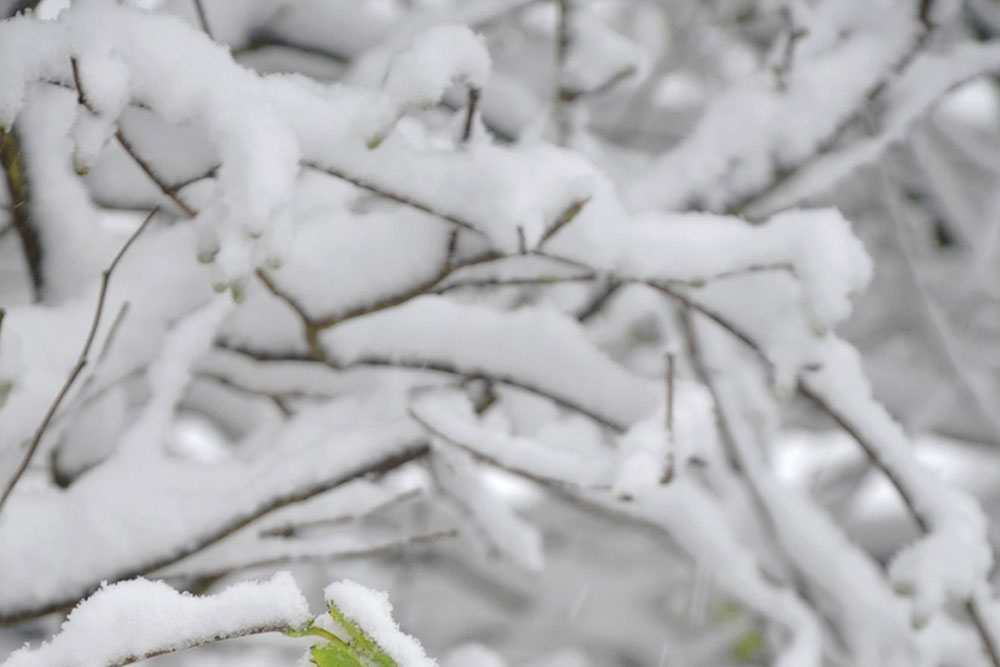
506, 307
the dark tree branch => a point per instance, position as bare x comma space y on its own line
434, 366
199, 9
78, 367
242, 632
470, 113
390, 195
381, 466
17, 188
598, 300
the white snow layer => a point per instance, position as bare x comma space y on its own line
372, 611
137, 618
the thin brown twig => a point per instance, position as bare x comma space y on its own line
390, 195
277, 400
512, 282
597, 301
20, 218
564, 219
573, 94
242, 632
78, 367
668, 467
199, 9
470, 113
209, 577
561, 99
129, 148
293, 529
434, 366
391, 461
109, 339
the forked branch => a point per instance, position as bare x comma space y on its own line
78, 367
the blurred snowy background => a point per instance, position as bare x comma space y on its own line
455, 241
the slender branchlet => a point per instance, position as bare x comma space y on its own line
470, 113
78, 367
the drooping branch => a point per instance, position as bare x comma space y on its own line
171, 192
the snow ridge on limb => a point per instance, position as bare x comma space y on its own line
953, 558
131, 620
363, 617
766, 123
537, 348
908, 99
196, 505
683, 508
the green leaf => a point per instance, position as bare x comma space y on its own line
334, 655
368, 649
745, 648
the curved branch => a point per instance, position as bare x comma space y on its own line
170, 191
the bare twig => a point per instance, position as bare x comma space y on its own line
295, 529
278, 400
17, 188
434, 366
199, 9
598, 300
390, 195
573, 94
935, 322
242, 632
207, 578
313, 326
448, 267
78, 367
391, 461
562, 98
668, 467
564, 219
109, 340
470, 113
792, 36
309, 329
512, 282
